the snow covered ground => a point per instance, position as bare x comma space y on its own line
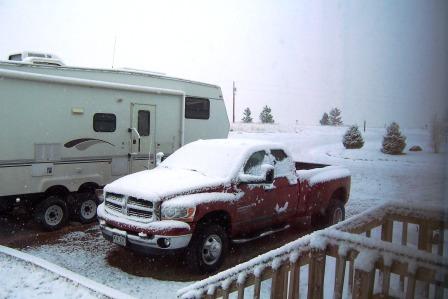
21, 279
376, 177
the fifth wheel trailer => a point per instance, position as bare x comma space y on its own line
65, 131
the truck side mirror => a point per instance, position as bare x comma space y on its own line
269, 176
266, 176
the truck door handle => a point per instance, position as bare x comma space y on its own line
268, 188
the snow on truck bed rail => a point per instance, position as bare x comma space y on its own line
322, 175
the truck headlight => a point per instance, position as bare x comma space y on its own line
178, 213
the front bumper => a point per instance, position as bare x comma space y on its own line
152, 244
158, 237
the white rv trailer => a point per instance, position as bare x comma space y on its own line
65, 131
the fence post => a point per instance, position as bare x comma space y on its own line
404, 242
424, 243
386, 230
339, 277
294, 280
361, 288
278, 290
316, 274
257, 287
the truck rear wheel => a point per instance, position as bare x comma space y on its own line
51, 213
335, 213
207, 249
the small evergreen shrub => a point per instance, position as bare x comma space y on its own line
266, 115
352, 138
247, 118
325, 121
335, 118
393, 142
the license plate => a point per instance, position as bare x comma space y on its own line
120, 240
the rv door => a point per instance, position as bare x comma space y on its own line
142, 134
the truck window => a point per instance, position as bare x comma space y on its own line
197, 108
143, 122
279, 155
282, 165
104, 122
254, 162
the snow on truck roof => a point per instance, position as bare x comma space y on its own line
199, 164
221, 158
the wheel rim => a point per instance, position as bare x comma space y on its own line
54, 215
337, 215
88, 209
211, 250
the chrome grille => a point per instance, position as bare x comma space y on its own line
133, 208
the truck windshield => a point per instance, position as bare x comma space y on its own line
210, 159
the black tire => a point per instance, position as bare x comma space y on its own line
84, 208
51, 213
207, 249
335, 213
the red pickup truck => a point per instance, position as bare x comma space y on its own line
210, 192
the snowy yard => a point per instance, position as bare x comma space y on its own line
376, 177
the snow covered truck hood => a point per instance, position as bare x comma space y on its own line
159, 183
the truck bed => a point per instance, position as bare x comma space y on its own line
308, 166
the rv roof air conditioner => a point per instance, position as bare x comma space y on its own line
36, 58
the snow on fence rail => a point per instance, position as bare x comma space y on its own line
395, 249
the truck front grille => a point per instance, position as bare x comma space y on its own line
133, 208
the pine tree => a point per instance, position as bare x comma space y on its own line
335, 117
325, 120
393, 142
352, 138
266, 116
246, 116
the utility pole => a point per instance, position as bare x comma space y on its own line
113, 53
234, 91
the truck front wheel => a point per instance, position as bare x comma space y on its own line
51, 213
207, 249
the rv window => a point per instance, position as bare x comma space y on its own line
143, 122
16, 57
104, 122
197, 108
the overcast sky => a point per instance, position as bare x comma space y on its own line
378, 61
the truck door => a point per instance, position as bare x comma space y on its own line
142, 134
255, 208
284, 204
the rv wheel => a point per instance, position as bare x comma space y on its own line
86, 208
51, 213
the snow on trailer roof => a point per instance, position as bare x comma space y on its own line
110, 70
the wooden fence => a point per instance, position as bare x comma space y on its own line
395, 250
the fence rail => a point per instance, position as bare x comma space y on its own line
395, 250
